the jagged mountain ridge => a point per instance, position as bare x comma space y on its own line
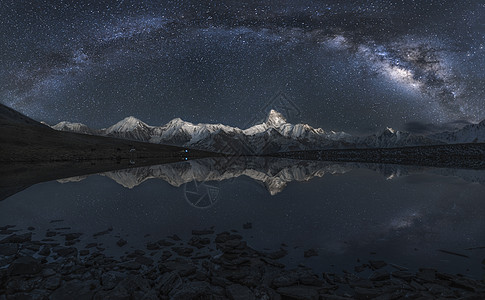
275, 134
472, 133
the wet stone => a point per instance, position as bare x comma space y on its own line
181, 266
183, 251
199, 242
168, 282
299, 292
143, 260
65, 251
6, 227
166, 255
152, 246
8, 249
50, 233
121, 242
14, 238
239, 292
379, 275
277, 254
175, 237
131, 265
83, 252
91, 245
403, 275
52, 283
72, 236
310, 253
360, 268
104, 232
111, 279
74, 289
427, 274
24, 266
377, 264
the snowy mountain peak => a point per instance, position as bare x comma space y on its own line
127, 124
275, 119
390, 130
177, 122
72, 127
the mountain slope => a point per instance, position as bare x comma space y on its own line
473, 133
23, 139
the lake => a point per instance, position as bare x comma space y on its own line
345, 213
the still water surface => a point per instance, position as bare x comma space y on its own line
347, 212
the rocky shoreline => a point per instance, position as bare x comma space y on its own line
209, 265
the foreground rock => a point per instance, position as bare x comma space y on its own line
206, 266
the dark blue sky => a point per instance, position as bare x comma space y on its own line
356, 66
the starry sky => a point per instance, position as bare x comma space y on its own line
356, 66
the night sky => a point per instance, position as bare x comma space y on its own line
356, 66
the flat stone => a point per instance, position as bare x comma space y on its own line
367, 293
46, 250
8, 249
195, 290
25, 265
403, 275
74, 289
153, 246
111, 279
239, 292
168, 282
65, 251
72, 236
379, 275
183, 251
144, 260
6, 227
130, 265
121, 242
48, 272
276, 254
175, 237
17, 238
52, 283
103, 232
199, 242
427, 274
299, 292
183, 267
310, 253
377, 264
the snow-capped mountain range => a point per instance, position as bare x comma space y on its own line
275, 134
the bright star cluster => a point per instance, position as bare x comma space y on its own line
347, 65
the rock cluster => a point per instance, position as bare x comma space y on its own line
208, 266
